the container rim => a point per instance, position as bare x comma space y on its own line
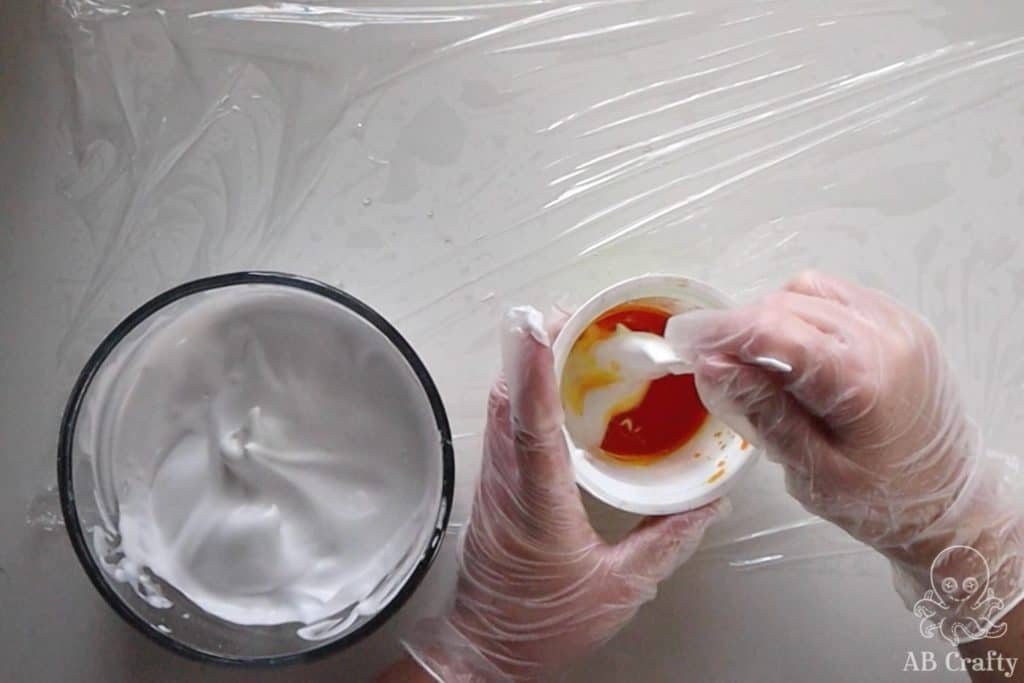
611, 490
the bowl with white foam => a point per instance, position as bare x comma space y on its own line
255, 468
610, 410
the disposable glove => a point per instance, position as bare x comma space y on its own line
850, 393
537, 587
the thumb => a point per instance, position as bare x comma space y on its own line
753, 403
536, 417
732, 392
659, 545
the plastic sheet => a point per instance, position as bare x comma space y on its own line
444, 161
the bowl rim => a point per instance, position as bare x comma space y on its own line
110, 342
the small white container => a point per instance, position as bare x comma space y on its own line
706, 467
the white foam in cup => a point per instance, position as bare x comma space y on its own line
681, 480
268, 453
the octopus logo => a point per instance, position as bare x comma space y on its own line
960, 606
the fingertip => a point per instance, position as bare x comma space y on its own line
733, 392
529, 371
706, 515
691, 521
721, 508
689, 333
658, 545
525, 320
727, 386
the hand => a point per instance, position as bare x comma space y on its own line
868, 425
537, 586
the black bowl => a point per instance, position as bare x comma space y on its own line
197, 634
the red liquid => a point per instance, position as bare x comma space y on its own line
669, 414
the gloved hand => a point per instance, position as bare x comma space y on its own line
869, 426
537, 586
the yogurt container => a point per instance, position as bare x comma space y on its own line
705, 467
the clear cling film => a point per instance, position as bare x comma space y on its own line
447, 160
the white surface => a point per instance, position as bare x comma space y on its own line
505, 153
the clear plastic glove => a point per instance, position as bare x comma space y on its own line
850, 393
537, 586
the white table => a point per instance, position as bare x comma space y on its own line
449, 164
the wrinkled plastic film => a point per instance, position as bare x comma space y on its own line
446, 161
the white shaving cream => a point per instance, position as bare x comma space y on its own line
267, 453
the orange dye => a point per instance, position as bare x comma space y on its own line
669, 413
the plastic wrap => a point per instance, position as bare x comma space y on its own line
445, 161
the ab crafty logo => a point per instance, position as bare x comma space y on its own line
960, 607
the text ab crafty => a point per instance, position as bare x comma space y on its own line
954, 661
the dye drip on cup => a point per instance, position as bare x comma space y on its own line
641, 420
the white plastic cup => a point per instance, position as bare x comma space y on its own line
706, 467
